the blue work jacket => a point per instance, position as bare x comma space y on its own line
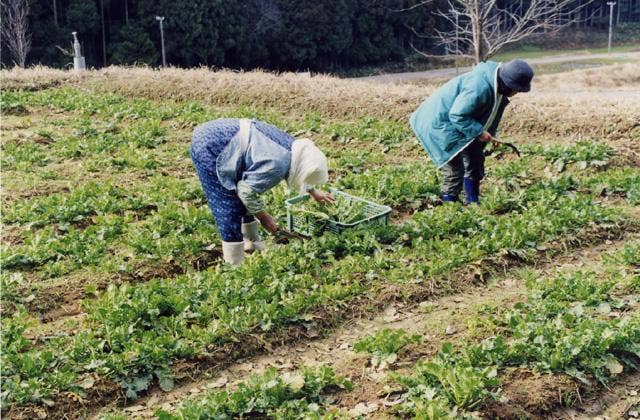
450, 119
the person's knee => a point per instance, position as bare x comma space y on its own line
476, 175
229, 226
475, 170
452, 183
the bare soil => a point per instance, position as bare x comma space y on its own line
64, 299
437, 319
620, 401
525, 394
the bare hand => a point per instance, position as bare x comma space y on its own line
485, 137
321, 196
267, 221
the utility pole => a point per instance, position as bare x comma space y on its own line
611, 4
457, 51
104, 41
164, 60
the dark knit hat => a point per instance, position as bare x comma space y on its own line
516, 75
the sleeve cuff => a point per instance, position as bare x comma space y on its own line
249, 198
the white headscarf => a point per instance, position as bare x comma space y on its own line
308, 166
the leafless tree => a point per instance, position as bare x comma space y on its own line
479, 28
68, 52
14, 28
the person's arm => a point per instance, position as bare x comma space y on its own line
249, 197
267, 221
267, 167
255, 206
465, 107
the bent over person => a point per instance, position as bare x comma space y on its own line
239, 159
461, 117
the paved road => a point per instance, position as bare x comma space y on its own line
451, 71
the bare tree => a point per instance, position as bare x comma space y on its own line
14, 28
479, 28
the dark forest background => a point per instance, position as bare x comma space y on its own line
317, 35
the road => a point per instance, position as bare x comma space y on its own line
451, 71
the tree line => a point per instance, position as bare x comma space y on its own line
318, 35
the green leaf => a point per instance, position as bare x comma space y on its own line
614, 367
165, 379
166, 383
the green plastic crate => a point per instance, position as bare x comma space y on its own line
308, 225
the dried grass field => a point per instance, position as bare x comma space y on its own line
115, 303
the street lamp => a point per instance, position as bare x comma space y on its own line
611, 4
164, 60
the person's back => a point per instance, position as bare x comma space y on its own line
455, 114
457, 121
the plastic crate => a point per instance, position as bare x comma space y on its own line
308, 225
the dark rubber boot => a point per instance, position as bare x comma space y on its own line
472, 190
446, 198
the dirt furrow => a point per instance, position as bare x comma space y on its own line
621, 401
438, 320
326, 319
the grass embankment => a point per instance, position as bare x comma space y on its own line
545, 112
529, 52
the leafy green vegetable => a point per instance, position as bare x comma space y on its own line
287, 396
565, 325
385, 346
148, 211
343, 210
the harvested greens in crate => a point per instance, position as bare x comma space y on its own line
310, 218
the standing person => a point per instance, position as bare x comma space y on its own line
461, 117
239, 159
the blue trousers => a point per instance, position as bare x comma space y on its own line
227, 209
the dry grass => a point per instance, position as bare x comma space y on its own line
620, 76
39, 77
586, 102
287, 92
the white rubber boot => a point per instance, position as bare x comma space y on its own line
252, 239
233, 252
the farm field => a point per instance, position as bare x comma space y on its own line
115, 303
